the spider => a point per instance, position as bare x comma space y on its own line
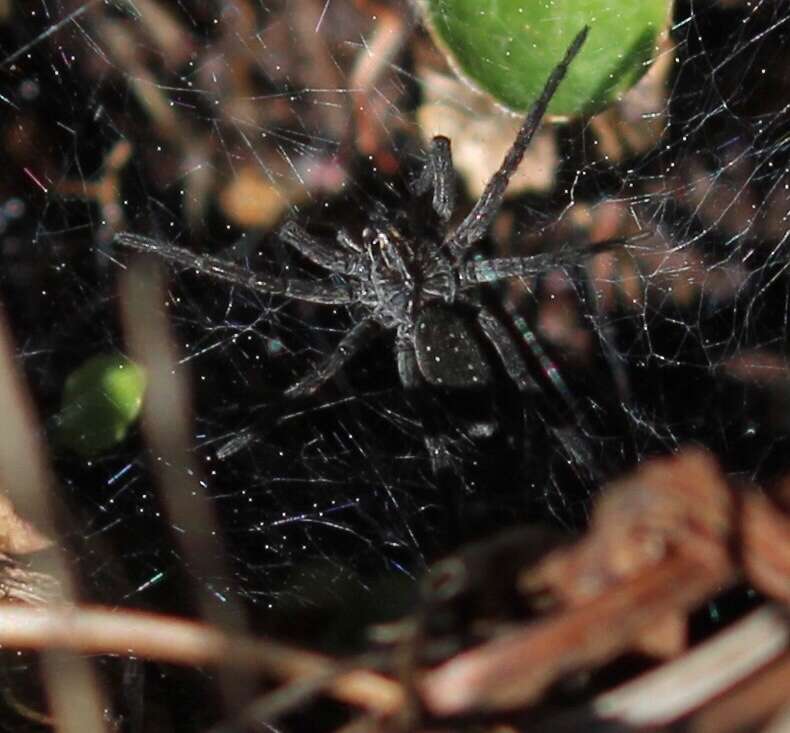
412, 285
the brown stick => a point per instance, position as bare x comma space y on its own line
97, 630
513, 670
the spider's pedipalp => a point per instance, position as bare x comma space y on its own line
220, 269
439, 175
330, 258
345, 241
476, 223
350, 344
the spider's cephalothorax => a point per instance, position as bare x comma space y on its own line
412, 285
399, 275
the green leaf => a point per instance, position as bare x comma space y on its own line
101, 400
509, 47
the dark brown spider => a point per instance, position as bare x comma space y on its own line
411, 285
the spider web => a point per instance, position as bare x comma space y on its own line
208, 123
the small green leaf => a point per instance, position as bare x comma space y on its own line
509, 47
101, 399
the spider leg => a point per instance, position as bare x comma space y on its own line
571, 438
492, 270
507, 348
548, 367
477, 222
216, 267
351, 343
330, 258
436, 444
617, 401
439, 175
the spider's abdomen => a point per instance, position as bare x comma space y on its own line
448, 352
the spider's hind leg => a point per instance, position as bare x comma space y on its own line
439, 175
442, 450
508, 351
351, 343
470, 423
565, 428
436, 443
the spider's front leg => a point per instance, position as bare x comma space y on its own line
351, 343
474, 226
439, 175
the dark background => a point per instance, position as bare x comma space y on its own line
336, 501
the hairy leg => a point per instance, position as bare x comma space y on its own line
439, 175
233, 274
476, 223
351, 343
